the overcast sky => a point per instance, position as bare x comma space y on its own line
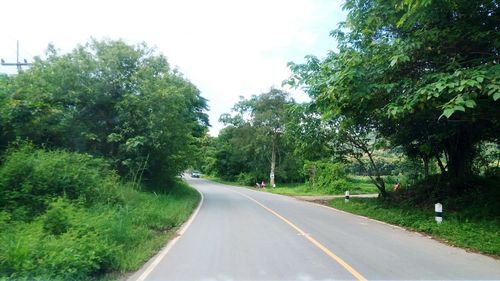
226, 48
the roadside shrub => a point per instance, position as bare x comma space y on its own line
337, 186
30, 178
73, 242
56, 220
326, 176
247, 179
66, 243
66, 216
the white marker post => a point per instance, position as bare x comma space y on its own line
347, 196
438, 208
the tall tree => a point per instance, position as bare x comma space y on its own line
110, 99
256, 130
268, 113
423, 74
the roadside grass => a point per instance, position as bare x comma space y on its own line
148, 221
219, 180
293, 189
99, 243
68, 216
474, 233
356, 185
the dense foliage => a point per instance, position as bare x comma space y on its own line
66, 216
422, 75
252, 147
30, 179
326, 176
80, 134
109, 99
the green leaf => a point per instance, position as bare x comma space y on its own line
459, 107
448, 112
394, 61
496, 96
470, 103
440, 87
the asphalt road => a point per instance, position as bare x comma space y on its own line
240, 234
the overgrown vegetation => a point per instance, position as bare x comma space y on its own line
91, 143
417, 76
108, 99
67, 216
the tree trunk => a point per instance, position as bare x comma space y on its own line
379, 181
273, 164
461, 152
460, 164
425, 160
440, 164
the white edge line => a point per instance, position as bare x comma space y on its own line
172, 242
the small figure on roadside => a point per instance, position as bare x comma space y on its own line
257, 185
263, 184
396, 186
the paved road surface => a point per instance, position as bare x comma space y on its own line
240, 234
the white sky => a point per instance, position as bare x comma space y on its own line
226, 48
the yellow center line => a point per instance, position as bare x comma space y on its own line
311, 239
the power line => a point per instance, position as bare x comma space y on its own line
17, 63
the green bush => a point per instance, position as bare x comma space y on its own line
95, 240
30, 178
326, 176
247, 179
74, 229
52, 248
56, 220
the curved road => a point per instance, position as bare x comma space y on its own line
240, 234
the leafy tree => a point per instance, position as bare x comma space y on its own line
422, 74
267, 113
237, 152
110, 99
309, 134
253, 141
5, 84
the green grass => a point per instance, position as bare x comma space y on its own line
98, 242
219, 180
68, 216
151, 220
293, 189
478, 234
356, 185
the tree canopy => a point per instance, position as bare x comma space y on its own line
422, 74
109, 99
252, 147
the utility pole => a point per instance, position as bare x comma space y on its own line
17, 63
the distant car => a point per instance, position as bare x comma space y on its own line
195, 174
